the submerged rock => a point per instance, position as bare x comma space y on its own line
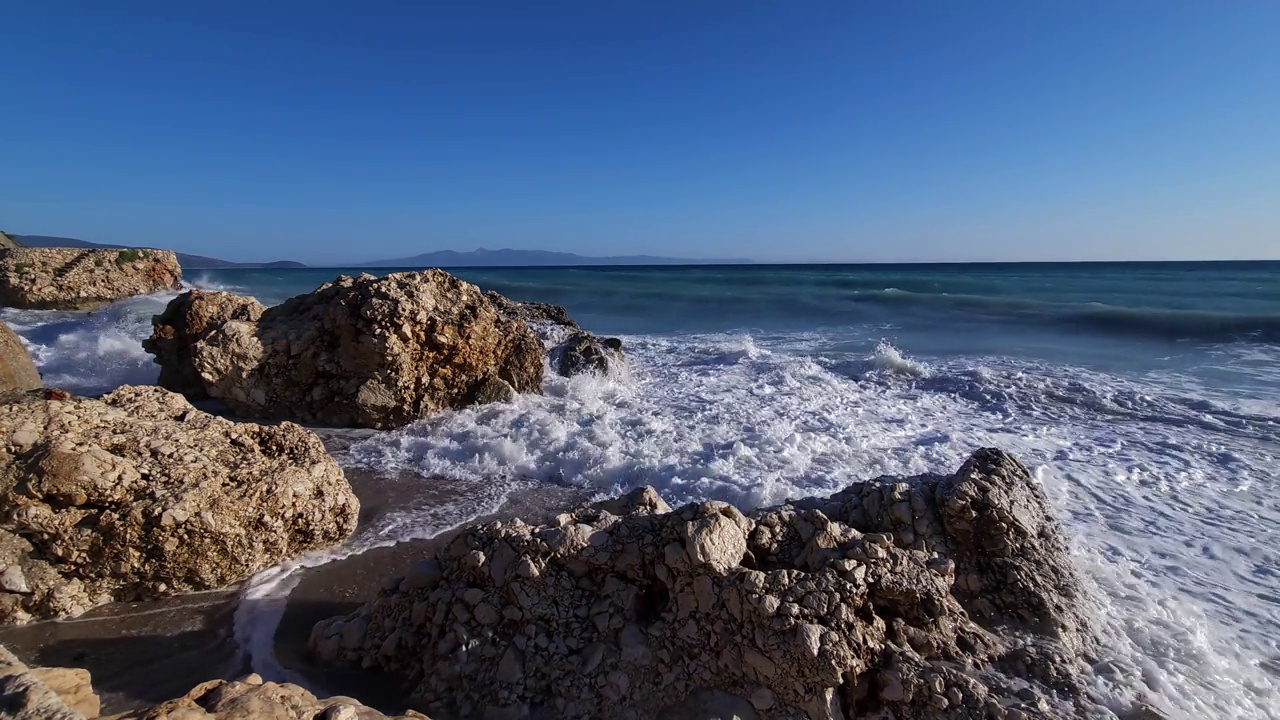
17, 372
140, 495
931, 597
358, 352
583, 353
75, 279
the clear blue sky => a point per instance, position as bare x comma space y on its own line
830, 131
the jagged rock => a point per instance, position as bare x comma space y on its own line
364, 352
582, 353
572, 350
534, 313
75, 279
67, 694
17, 372
842, 607
139, 495
44, 693
250, 698
184, 322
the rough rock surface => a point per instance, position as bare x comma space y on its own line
17, 372
140, 495
7, 242
27, 694
67, 694
363, 352
931, 597
583, 353
571, 350
74, 279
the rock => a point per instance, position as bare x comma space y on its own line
583, 353
7, 242
28, 695
815, 609
76, 279
363, 352
67, 694
17, 372
140, 495
533, 313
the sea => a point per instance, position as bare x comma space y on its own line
1145, 397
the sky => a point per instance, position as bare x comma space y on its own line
847, 131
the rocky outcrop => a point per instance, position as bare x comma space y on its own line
931, 597
363, 351
67, 694
139, 495
17, 372
571, 350
7, 242
74, 279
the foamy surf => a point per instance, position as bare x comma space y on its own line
1162, 469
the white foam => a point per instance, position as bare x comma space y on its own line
1169, 497
91, 352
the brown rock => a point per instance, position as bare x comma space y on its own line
17, 372
363, 352
140, 495
75, 279
789, 612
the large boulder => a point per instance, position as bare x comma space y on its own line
139, 495
360, 351
17, 372
929, 597
76, 279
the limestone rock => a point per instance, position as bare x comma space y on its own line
7, 241
67, 694
364, 351
252, 699
140, 495
17, 372
822, 608
44, 693
75, 279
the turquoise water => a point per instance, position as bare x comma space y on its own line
1145, 397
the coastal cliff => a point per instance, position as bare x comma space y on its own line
73, 279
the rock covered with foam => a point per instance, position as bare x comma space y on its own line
138, 494
570, 349
936, 596
75, 279
358, 352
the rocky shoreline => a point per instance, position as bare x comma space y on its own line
934, 596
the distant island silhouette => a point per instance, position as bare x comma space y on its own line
480, 257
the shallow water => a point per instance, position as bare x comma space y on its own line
1146, 399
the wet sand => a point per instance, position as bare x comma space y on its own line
143, 653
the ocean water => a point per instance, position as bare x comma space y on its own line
1145, 397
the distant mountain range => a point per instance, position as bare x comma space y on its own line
525, 258
442, 258
188, 262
